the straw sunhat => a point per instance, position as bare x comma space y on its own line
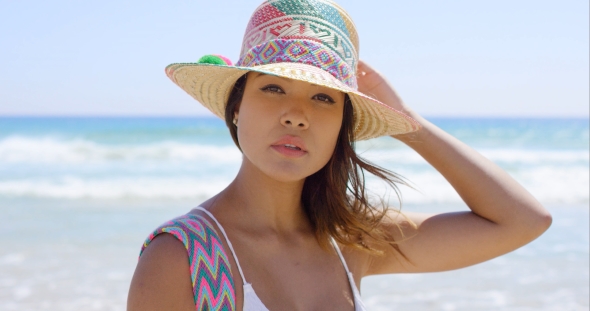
308, 40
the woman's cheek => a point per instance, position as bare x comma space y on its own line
329, 137
248, 135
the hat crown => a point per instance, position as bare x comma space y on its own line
320, 22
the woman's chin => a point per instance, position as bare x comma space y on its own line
286, 174
284, 171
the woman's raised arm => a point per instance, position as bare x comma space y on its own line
503, 216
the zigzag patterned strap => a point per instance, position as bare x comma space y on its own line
213, 285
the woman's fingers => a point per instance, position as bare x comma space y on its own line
364, 68
374, 84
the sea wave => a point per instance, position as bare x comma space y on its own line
44, 150
550, 186
71, 187
505, 156
16, 149
50, 167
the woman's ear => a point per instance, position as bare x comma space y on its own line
236, 115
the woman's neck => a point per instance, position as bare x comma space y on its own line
260, 202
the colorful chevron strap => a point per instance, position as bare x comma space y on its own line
213, 285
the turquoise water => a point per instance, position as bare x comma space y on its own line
567, 133
172, 158
79, 195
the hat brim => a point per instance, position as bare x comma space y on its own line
211, 85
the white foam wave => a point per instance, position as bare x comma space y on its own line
505, 156
86, 169
51, 150
121, 188
44, 150
548, 185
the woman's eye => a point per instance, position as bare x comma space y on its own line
324, 98
272, 89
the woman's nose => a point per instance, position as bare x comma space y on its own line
295, 118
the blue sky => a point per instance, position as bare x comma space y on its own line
445, 58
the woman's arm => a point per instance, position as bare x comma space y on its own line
161, 280
503, 217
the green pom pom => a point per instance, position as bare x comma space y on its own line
212, 59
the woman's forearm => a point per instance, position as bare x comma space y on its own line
486, 189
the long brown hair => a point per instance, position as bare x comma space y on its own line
335, 197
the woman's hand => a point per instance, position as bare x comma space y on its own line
374, 84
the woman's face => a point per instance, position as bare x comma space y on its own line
286, 128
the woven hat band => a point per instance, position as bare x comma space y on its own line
300, 51
320, 21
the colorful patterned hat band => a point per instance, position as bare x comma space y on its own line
323, 22
299, 51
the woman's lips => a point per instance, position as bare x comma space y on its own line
290, 146
290, 152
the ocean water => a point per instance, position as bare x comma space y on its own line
79, 195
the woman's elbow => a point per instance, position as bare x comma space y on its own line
544, 222
539, 223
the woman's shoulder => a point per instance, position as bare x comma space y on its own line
186, 253
161, 280
187, 229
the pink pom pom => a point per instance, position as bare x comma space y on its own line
225, 59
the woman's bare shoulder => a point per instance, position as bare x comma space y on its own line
162, 277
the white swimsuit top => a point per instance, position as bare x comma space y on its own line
251, 300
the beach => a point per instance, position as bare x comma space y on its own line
78, 196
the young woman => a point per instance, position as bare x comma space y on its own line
295, 229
